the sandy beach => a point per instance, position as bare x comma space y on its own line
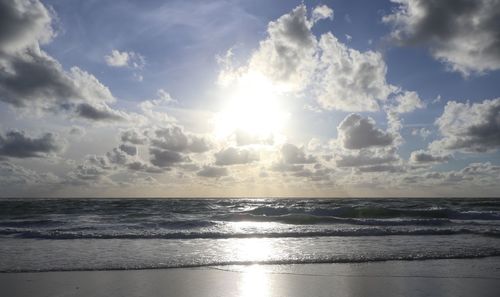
452, 277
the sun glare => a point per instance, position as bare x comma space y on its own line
253, 107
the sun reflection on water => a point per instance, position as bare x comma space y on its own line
254, 282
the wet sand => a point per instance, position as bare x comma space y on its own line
453, 277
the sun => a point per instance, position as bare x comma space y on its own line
254, 106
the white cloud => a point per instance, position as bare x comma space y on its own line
124, 59
350, 80
422, 132
322, 12
407, 101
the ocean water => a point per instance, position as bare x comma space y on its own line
105, 234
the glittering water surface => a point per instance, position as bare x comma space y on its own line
77, 234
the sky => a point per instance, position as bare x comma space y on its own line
249, 98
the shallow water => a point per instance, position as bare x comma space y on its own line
89, 234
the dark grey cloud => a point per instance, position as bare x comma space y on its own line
356, 132
462, 33
33, 80
18, 145
175, 139
469, 127
165, 158
130, 150
423, 157
233, 156
382, 168
141, 166
117, 156
212, 171
103, 113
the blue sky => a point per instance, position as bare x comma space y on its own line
250, 98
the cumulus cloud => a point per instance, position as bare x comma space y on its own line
407, 101
426, 157
469, 127
175, 139
350, 80
287, 55
291, 154
18, 145
93, 168
130, 150
321, 12
102, 113
133, 137
461, 33
356, 132
29, 77
166, 158
233, 156
124, 59
295, 60
212, 171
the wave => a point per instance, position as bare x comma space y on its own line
324, 260
62, 235
307, 219
377, 212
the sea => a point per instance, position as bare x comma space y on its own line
121, 234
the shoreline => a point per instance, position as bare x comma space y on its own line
264, 263
444, 277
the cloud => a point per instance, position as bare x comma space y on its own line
292, 159
246, 138
17, 145
339, 77
175, 139
425, 157
124, 59
348, 79
290, 154
77, 131
165, 158
322, 12
356, 132
407, 101
130, 150
132, 136
93, 168
469, 127
233, 156
287, 55
461, 33
422, 132
12, 174
29, 77
103, 113
212, 171
366, 157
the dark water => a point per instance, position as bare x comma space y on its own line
75, 234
